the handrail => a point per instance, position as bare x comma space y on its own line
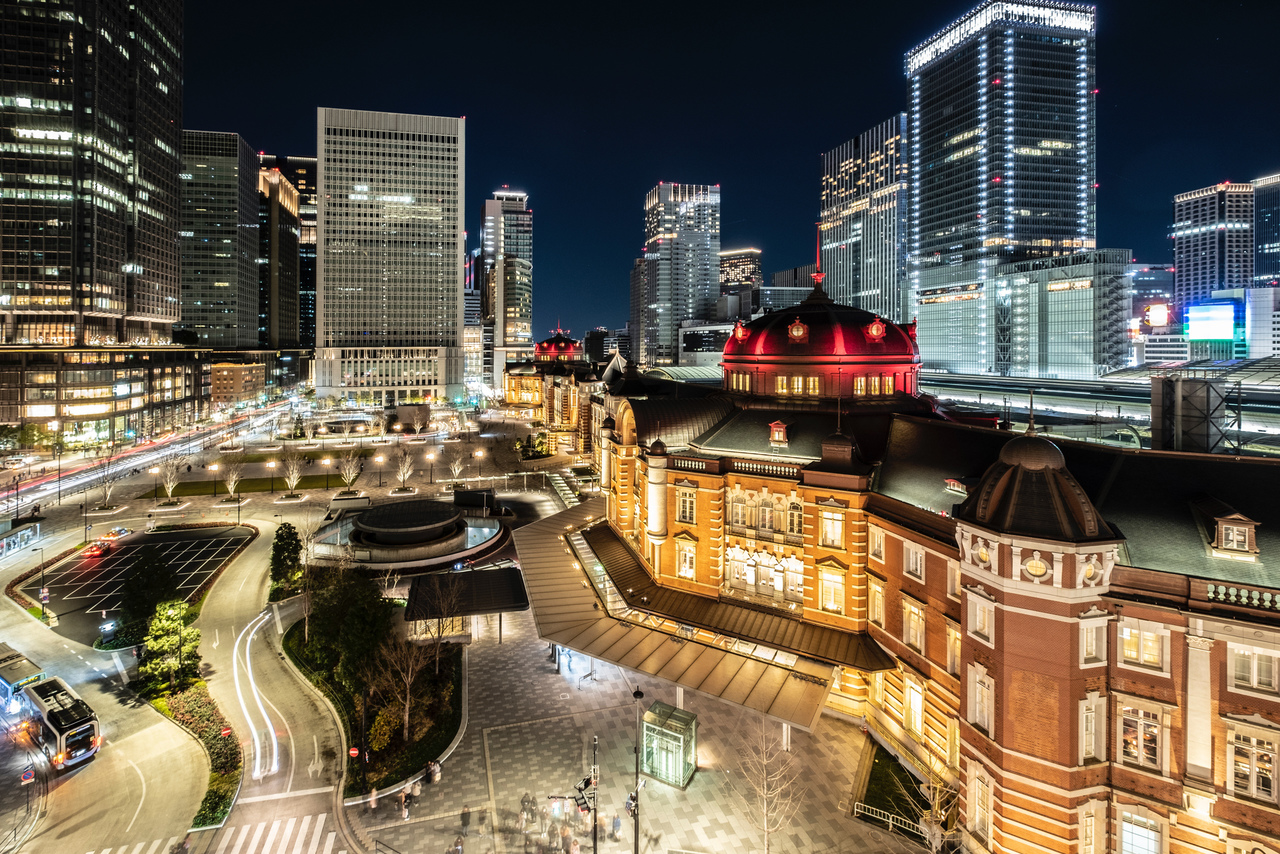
894, 821
380, 846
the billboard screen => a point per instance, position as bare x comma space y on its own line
1211, 322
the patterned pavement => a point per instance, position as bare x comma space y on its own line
530, 731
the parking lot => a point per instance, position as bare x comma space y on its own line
82, 588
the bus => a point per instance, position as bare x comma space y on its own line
16, 672
62, 724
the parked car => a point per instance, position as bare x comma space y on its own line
96, 549
116, 533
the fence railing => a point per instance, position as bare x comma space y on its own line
895, 822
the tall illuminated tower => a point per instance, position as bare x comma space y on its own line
1213, 246
390, 247
682, 264
506, 271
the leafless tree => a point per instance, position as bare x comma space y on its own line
441, 596
769, 782
418, 420
349, 468
400, 661
378, 424
291, 462
931, 804
171, 472
106, 474
404, 465
309, 430
232, 467
346, 425
309, 530
456, 467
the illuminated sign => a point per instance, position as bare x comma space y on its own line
1157, 314
1214, 322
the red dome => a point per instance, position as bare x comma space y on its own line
558, 346
822, 329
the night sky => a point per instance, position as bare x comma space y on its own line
588, 106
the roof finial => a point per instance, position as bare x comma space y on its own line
1031, 412
818, 295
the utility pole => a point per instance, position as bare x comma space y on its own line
595, 799
638, 695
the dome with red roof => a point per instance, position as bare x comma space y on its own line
822, 349
559, 348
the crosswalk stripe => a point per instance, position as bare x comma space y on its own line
284, 837
154, 846
226, 840
173, 840
244, 831
302, 835
137, 849
271, 837
328, 842
257, 834
315, 840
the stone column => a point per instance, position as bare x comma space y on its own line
656, 497
1199, 720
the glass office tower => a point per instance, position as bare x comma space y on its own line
1266, 232
1213, 245
863, 221
1002, 167
390, 256
506, 268
301, 173
682, 264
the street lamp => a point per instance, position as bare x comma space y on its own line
271, 466
323, 430
155, 479
378, 460
479, 464
634, 799
213, 467
431, 469
396, 427
325, 462
41, 550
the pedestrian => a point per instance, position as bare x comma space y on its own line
617, 828
574, 847
457, 845
466, 819
373, 800
544, 815
565, 838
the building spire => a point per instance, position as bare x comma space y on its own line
818, 294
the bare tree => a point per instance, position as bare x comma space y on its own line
400, 661
106, 474
349, 468
378, 424
346, 425
232, 467
309, 532
309, 430
171, 472
931, 804
769, 782
418, 421
456, 467
291, 462
404, 466
441, 598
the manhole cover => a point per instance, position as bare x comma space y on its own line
564, 696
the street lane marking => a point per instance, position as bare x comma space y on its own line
328, 843
271, 836
154, 845
279, 628
138, 848
315, 839
217, 640
257, 834
282, 795
115, 656
315, 767
226, 839
284, 837
140, 800
240, 842
302, 835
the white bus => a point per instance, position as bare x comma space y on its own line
62, 724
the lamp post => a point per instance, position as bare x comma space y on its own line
479, 465
271, 466
41, 550
638, 695
325, 462
213, 467
378, 460
322, 431
396, 427
155, 479
431, 469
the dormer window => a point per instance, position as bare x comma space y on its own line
777, 433
1234, 537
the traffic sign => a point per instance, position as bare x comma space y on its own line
44, 594
354, 752
28, 775
226, 731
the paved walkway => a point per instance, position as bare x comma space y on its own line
530, 731
20, 805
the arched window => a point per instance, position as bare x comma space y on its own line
795, 519
766, 517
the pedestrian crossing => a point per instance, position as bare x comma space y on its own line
305, 835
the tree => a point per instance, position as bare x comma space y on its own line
456, 467
441, 598
418, 420
286, 554
352, 619
400, 661
232, 466
931, 804
378, 424
404, 466
171, 472
172, 647
346, 425
349, 468
309, 430
106, 474
291, 462
769, 782
151, 581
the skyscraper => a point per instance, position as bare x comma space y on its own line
639, 313
740, 270
1212, 242
220, 286
1266, 231
301, 173
682, 269
863, 221
1002, 172
390, 242
277, 261
506, 270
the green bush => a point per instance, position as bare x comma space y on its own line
195, 710
217, 799
384, 727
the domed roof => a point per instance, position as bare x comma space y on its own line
558, 345
1029, 491
820, 327
1032, 452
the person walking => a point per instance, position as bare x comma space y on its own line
617, 827
466, 820
565, 838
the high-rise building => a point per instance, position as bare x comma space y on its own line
390, 252
1001, 168
1212, 242
278, 234
864, 221
1266, 231
682, 267
506, 270
638, 315
89, 219
301, 173
740, 270
786, 288
220, 245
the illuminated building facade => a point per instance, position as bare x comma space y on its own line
1080, 641
301, 173
505, 270
220, 240
1266, 231
278, 234
235, 384
1212, 242
682, 266
740, 270
390, 257
1002, 165
864, 221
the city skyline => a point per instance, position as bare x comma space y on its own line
770, 181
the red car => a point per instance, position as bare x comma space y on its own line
97, 549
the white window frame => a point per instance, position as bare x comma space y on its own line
1093, 642
795, 519
914, 624
955, 652
687, 561
1256, 684
1234, 538
980, 817
953, 579
1088, 832
1091, 724
686, 505
1144, 718
1138, 642
1245, 743
953, 743
913, 706
875, 544
913, 561
831, 522
766, 508
738, 512
1143, 823
875, 610
982, 698
828, 580
981, 619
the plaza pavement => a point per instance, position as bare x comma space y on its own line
530, 730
